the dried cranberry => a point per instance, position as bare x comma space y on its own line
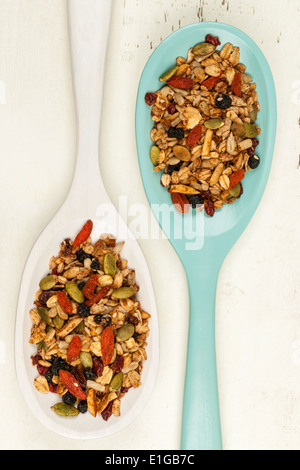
35, 359
132, 319
106, 414
41, 369
98, 366
172, 108
209, 208
255, 143
150, 98
212, 39
79, 376
52, 387
124, 389
251, 151
118, 364
205, 194
66, 248
44, 297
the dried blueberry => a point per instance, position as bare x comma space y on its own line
104, 319
196, 201
172, 168
49, 374
81, 285
69, 399
95, 265
253, 162
82, 406
81, 255
60, 364
176, 132
89, 374
223, 101
83, 310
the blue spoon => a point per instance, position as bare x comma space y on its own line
201, 242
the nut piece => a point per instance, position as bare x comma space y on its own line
207, 142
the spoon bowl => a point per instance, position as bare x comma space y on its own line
201, 242
87, 199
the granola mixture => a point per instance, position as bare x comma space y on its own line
204, 132
89, 329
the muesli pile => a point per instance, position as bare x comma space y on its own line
89, 328
204, 129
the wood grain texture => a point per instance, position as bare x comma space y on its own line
258, 333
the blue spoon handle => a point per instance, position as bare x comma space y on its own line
201, 429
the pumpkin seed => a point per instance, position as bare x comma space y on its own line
43, 312
250, 130
214, 123
235, 191
86, 359
63, 409
80, 328
182, 153
183, 189
165, 76
203, 49
41, 345
116, 382
238, 130
58, 322
125, 332
123, 293
109, 264
253, 115
154, 154
113, 356
74, 292
47, 283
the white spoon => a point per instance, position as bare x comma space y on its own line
89, 27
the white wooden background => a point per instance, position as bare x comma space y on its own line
258, 300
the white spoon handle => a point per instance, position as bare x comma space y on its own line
89, 22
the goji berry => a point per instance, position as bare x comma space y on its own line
71, 384
211, 82
181, 82
64, 301
180, 202
237, 84
84, 234
212, 39
90, 285
150, 98
74, 348
235, 178
107, 345
97, 297
194, 136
